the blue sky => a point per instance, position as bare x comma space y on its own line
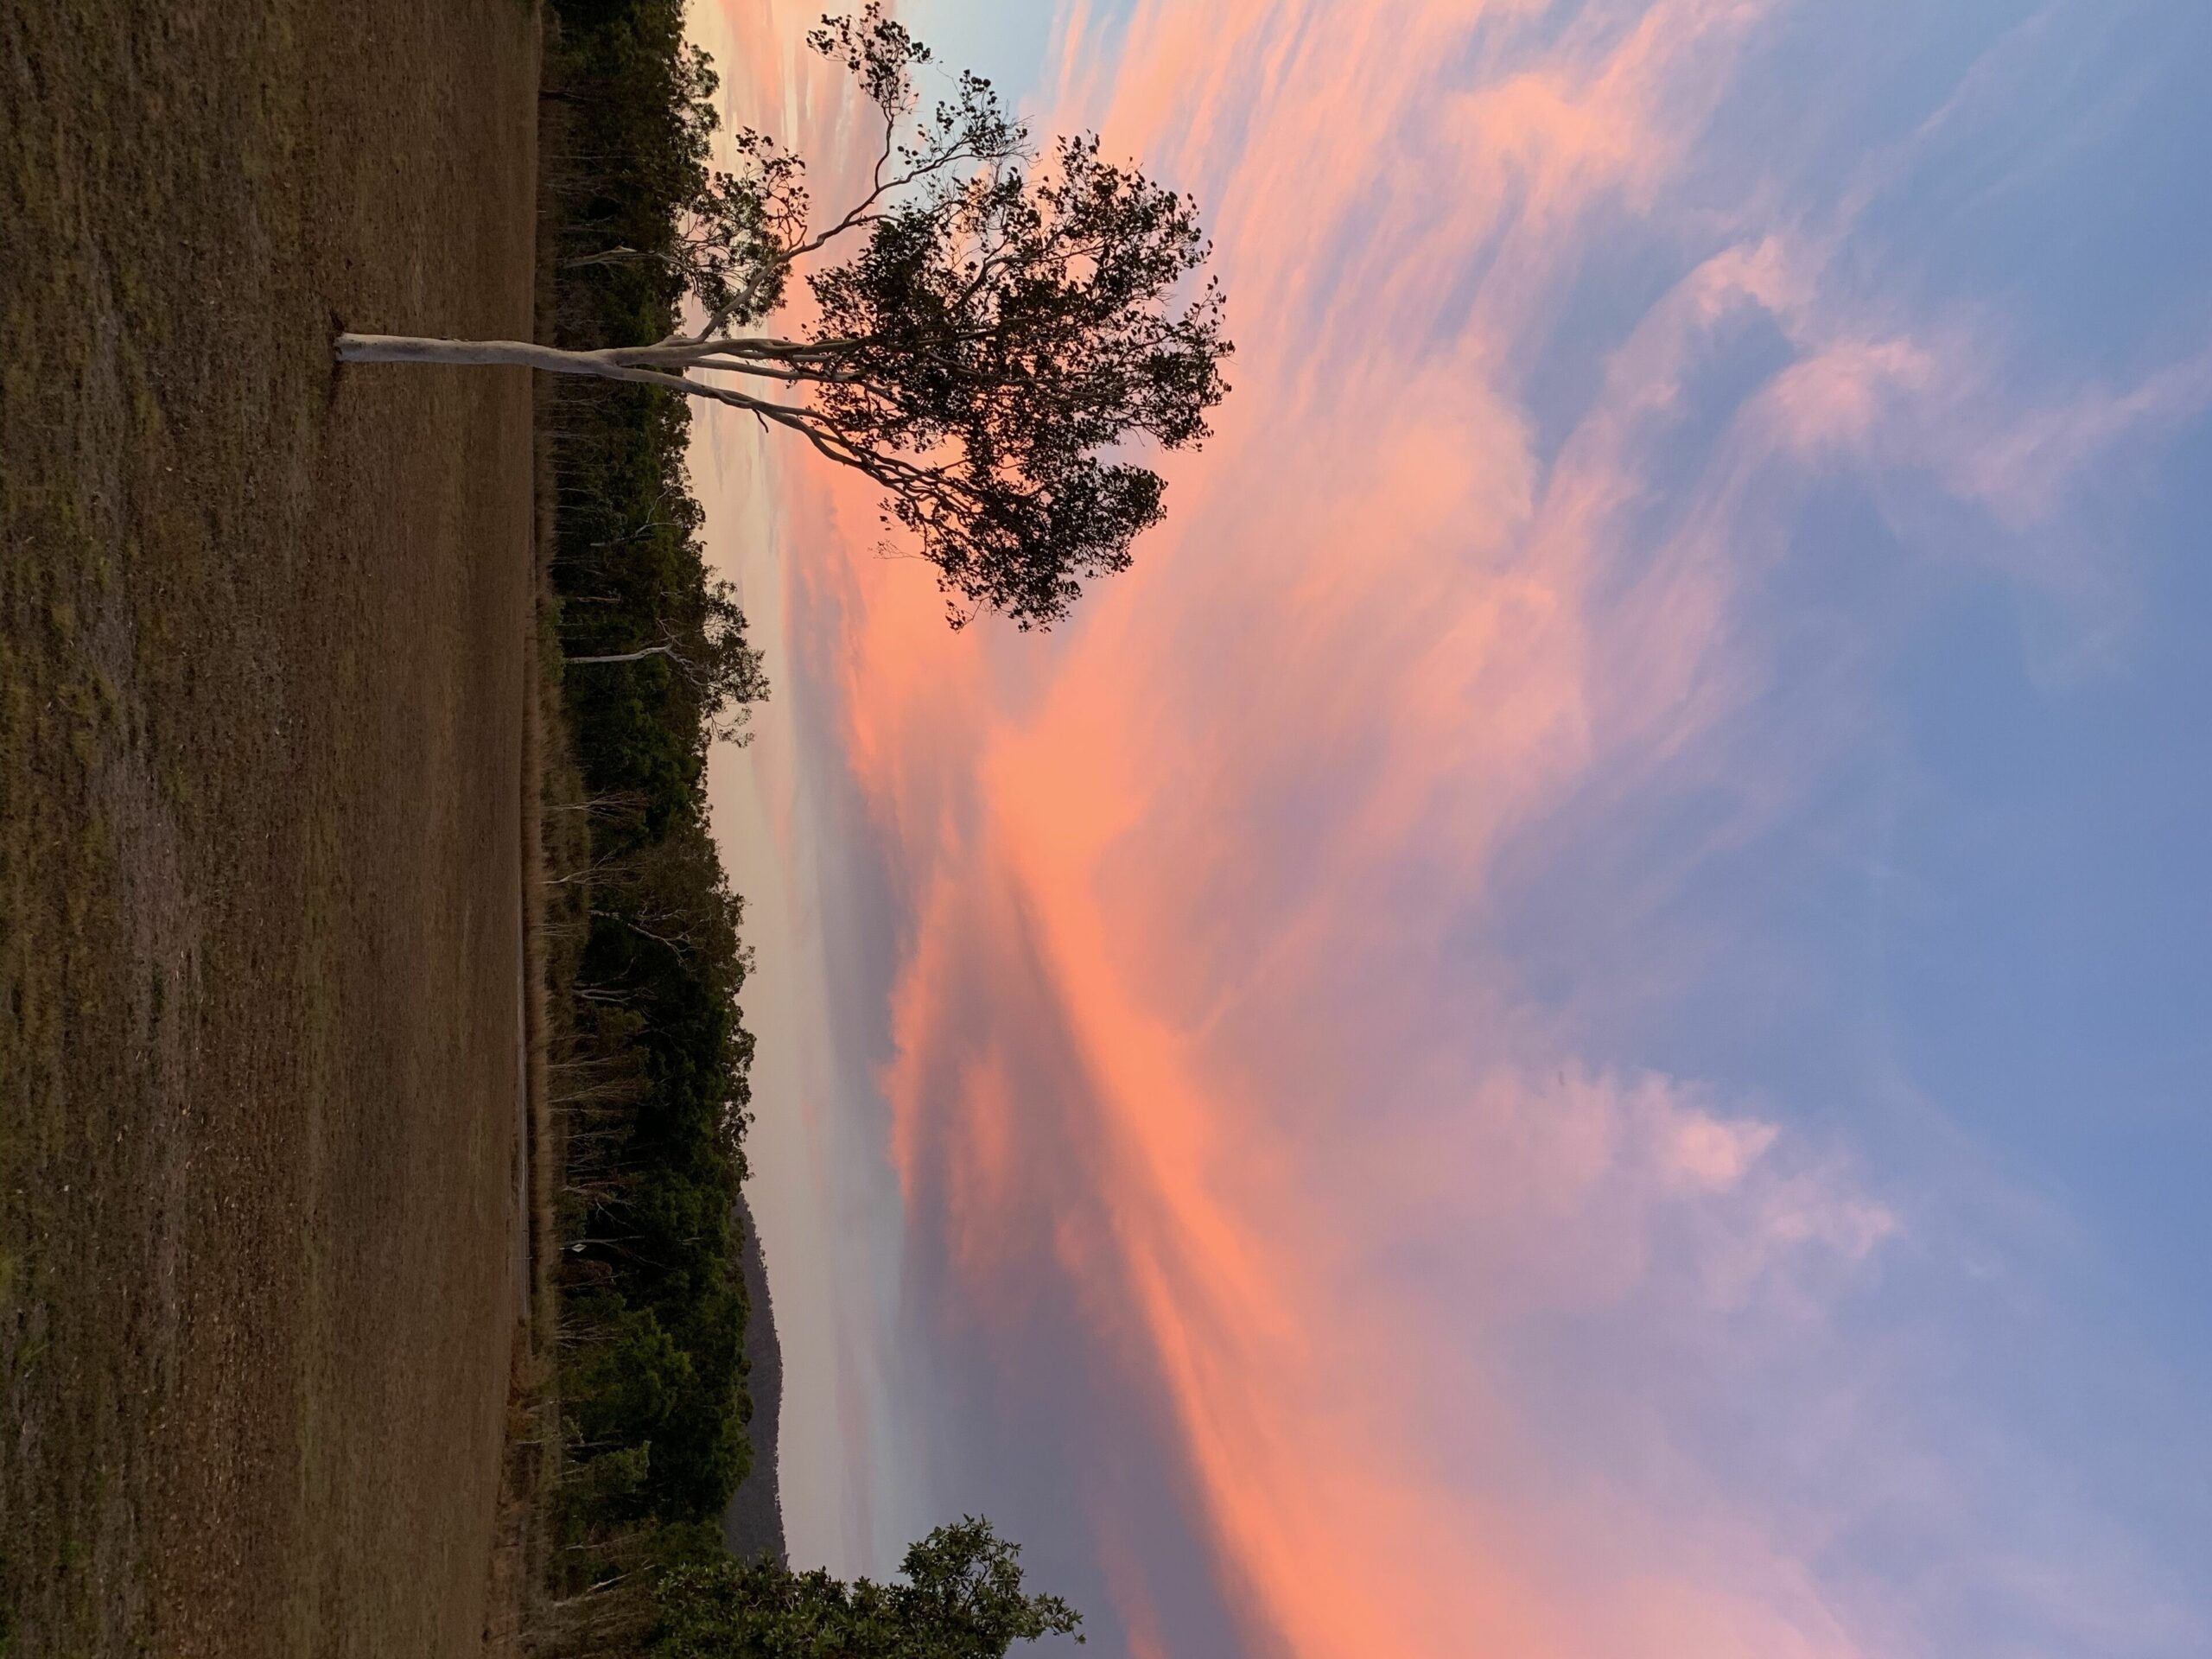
1574, 1022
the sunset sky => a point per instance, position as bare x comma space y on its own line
1577, 1022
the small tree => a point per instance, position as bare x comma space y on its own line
996, 336
709, 651
961, 1600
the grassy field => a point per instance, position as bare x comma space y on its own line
263, 684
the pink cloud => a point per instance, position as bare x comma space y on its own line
1200, 860
1372, 616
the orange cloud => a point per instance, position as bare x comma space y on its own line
1181, 1007
1364, 653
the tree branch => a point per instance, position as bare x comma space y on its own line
669, 651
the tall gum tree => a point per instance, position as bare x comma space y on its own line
997, 336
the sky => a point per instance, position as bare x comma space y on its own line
1573, 1023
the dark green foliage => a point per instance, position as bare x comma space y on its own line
988, 352
627, 1381
637, 118
1012, 328
654, 1094
961, 1599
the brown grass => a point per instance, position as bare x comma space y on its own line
263, 701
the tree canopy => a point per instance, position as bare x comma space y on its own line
1001, 330
999, 334
962, 1598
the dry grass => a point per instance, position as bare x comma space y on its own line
555, 841
264, 694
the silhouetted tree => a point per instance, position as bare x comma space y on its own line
997, 335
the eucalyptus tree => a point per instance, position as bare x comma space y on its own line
991, 330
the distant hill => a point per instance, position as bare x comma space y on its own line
754, 1524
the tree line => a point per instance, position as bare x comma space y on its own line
651, 1081
998, 333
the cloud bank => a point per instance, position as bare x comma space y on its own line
1342, 1041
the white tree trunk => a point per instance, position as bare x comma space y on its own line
667, 364
513, 353
668, 651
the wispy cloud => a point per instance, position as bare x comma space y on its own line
1214, 1046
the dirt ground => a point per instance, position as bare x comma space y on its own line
262, 681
